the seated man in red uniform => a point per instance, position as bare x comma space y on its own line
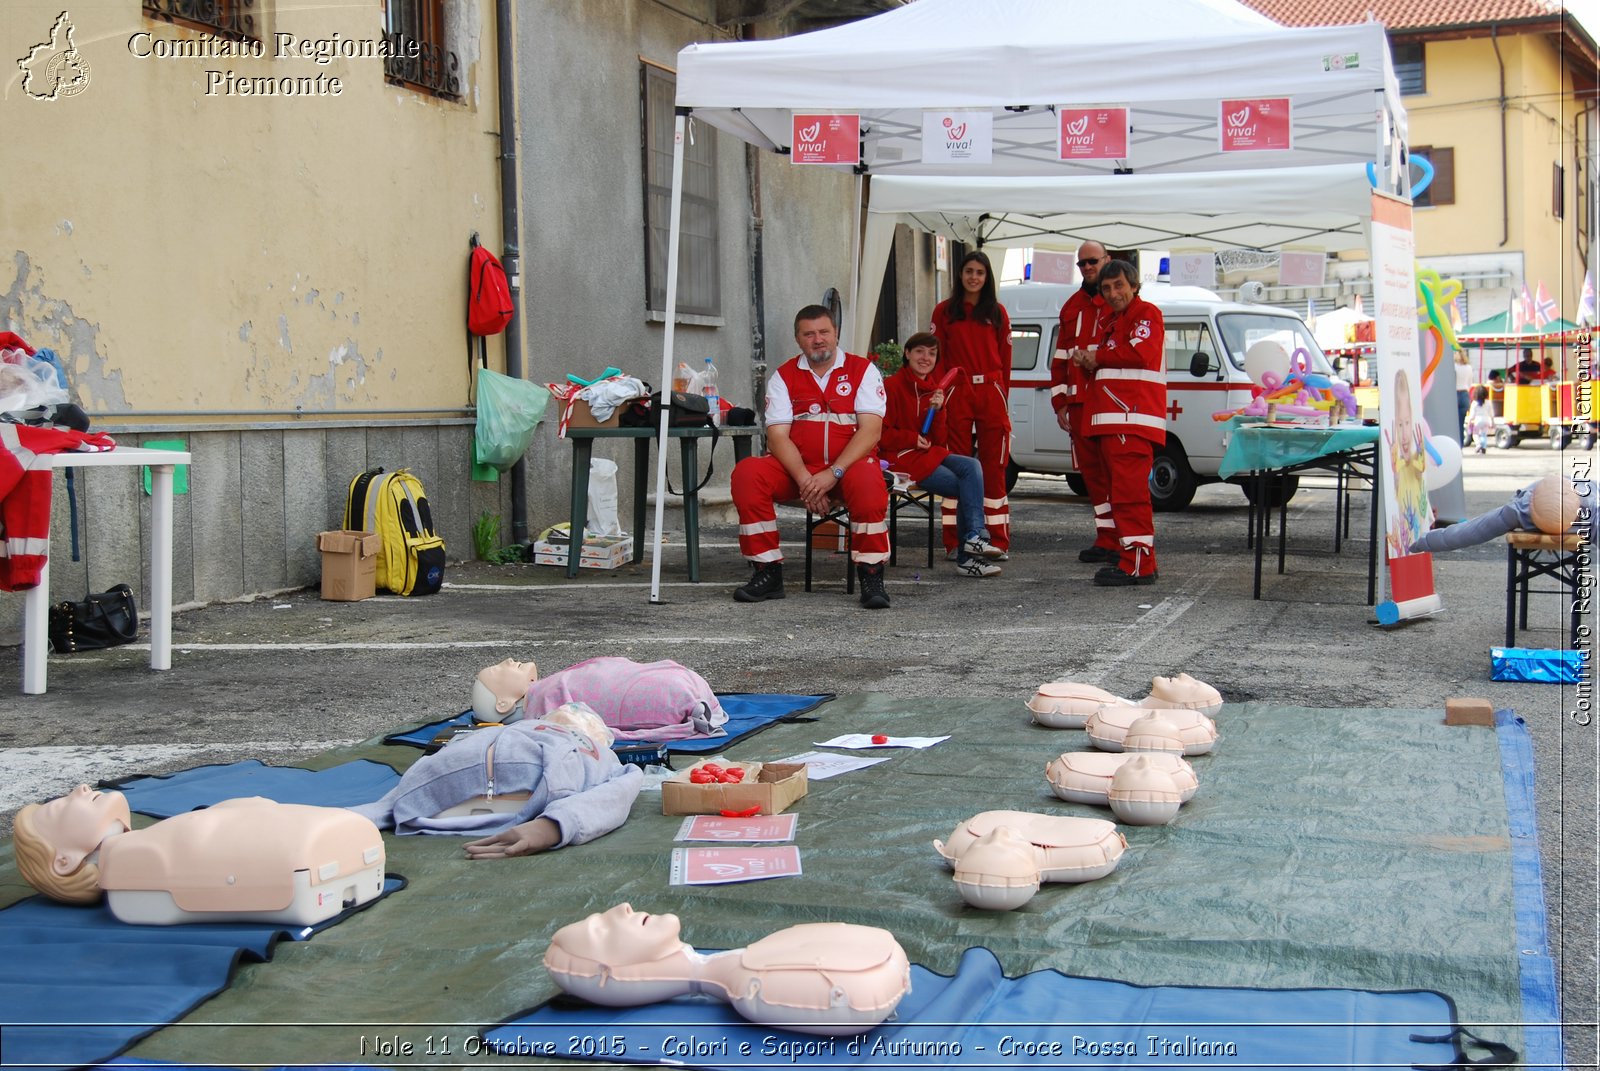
824, 416
1126, 411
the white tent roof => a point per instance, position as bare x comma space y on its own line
1321, 207
1170, 61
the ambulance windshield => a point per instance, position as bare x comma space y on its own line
1241, 330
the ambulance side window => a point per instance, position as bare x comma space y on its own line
1184, 340
1025, 339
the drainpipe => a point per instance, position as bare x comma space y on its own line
1505, 156
758, 295
511, 256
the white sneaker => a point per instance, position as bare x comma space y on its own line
977, 567
982, 548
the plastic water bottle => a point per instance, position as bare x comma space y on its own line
680, 378
708, 387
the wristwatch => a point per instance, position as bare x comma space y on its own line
838, 473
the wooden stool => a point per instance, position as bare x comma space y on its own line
1530, 555
912, 497
838, 514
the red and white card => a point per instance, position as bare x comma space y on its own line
825, 139
1093, 133
761, 827
1254, 125
723, 866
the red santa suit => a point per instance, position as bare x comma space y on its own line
983, 353
821, 413
1084, 319
1127, 411
25, 496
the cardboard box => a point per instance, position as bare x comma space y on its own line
583, 417
771, 786
610, 552
349, 565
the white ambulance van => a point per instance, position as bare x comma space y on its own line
1206, 341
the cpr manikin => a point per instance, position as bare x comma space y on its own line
1068, 705
829, 978
500, 694
241, 860
1000, 857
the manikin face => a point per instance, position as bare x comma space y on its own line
508, 681
922, 359
621, 936
1119, 294
75, 824
973, 276
1091, 258
817, 338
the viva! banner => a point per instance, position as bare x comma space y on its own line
1092, 133
1403, 438
961, 137
825, 139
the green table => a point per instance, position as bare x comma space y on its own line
689, 445
1270, 452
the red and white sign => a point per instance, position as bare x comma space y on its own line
965, 137
721, 866
771, 827
826, 139
1301, 269
1093, 133
1053, 267
1253, 125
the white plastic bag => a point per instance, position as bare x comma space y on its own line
27, 383
602, 519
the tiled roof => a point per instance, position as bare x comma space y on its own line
1402, 14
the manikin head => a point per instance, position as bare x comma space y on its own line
54, 839
621, 937
501, 691
1554, 505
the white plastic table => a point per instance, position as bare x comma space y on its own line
36, 604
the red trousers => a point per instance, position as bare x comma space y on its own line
986, 414
1126, 464
759, 483
1087, 453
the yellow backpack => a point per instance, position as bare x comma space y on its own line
411, 559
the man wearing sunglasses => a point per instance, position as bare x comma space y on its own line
1084, 319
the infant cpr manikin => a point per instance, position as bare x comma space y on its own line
1185, 732
1068, 705
1085, 776
829, 978
1019, 849
245, 860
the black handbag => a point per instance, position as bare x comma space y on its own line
106, 619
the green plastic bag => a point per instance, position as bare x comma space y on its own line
508, 411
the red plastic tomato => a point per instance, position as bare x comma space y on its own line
701, 777
735, 775
711, 767
880, 739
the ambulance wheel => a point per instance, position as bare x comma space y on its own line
1012, 472
1077, 483
1559, 437
1504, 437
1172, 481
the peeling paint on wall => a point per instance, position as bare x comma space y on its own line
283, 333
28, 308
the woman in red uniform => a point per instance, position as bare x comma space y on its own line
974, 335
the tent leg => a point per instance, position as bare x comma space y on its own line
678, 129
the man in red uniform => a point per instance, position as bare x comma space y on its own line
1084, 318
824, 416
1126, 411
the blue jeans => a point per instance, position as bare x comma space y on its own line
960, 478
1463, 403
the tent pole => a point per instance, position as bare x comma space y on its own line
851, 342
662, 439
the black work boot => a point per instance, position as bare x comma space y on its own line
873, 597
766, 582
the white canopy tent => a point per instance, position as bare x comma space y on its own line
1170, 62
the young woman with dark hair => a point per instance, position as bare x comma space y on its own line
974, 335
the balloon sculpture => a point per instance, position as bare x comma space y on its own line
1302, 392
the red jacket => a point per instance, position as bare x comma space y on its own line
1128, 395
1083, 323
982, 351
908, 406
824, 416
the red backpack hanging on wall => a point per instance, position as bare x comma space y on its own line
488, 293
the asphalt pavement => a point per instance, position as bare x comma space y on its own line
281, 677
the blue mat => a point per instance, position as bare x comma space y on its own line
347, 785
981, 1018
748, 713
77, 986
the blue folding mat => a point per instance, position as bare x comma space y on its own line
748, 713
981, 1018
77, 986
347, 785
